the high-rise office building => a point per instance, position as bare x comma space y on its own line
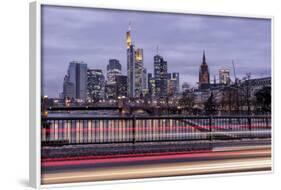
121, 86
160, 67
172, 83
151, 85
96, 85
114, 64
77, 75
130, 64
135, 68
169, 76
68, 88
110, 90
113, 69
172, 87
176, 77
161, 76
138, 72
144, 78
224, 76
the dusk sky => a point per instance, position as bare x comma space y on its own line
96, 35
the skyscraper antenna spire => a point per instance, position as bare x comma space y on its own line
157, 49
130, 26
128, 36
233, 67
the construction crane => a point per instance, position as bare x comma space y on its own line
234, 73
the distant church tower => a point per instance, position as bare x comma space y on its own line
204, 75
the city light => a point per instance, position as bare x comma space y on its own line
131, 110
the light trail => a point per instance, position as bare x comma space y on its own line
123, 155
233, 148
160, 170
217, 154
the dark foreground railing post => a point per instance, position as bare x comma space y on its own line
210, 128
249, 123
134, 129
47, 126
266, 122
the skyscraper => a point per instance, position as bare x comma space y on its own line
173, 83
68, 88
172, 87
204, 75
160, 67
144, 78
138, 72
95, 87
113, 64
224, 76
113, 69
121, 86
151, 85
176, 77
135, 68
77, 75
130, 64
161, 76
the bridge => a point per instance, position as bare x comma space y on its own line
129, 109
132, 129
179, 145
77, 108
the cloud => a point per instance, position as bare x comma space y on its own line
96, 35
190, 23
72, 17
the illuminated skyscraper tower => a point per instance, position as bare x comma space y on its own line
130, 64
135, 69
138, 72
128, 37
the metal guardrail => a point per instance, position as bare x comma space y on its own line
131, 129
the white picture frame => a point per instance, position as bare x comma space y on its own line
35, 91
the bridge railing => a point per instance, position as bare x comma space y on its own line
132, 129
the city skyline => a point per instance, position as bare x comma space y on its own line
93, 36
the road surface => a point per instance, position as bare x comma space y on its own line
219, 160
